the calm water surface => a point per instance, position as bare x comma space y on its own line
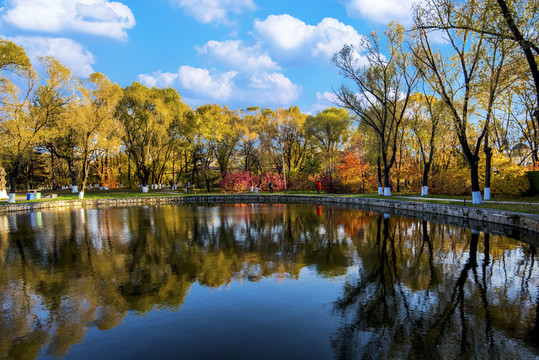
260, 282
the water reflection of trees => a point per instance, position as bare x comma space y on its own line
420, 288
91, 267
424, 290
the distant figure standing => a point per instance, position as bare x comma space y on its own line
270, 186
187, 188
318, 187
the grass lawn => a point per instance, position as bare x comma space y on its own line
522, 204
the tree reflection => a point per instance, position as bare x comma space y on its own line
421, 288
90, 268
387, 314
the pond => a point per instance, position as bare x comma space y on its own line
260, 281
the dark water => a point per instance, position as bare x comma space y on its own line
261, 282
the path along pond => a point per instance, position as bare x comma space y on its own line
261, 281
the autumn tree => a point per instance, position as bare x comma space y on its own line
331, 130
152, 120
93, 124
427, 115
381, 85
287, 134
25, 116
213, 136
252, 125
456, 73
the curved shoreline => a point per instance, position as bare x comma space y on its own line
518, 225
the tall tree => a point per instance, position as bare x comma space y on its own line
286, 131
152, 120
13, 59
426, 118
94, 125
24, 119
455, 74
382, 85
331, 128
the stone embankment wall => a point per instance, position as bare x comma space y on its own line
519, 225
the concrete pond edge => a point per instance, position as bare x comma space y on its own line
522, 226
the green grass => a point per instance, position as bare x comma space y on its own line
522, 204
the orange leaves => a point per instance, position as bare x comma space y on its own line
355, 173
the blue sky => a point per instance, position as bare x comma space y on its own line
239, 53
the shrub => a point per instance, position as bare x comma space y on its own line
454, 181
237, 182
508, 179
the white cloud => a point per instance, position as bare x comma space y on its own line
198, 81
323, 101
67, 51
158, 79
201, 81
262, 88
285, 31
290, 39
272, 88
235, 55
381, 11
217, 11
98, 17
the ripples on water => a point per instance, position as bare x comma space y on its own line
260, 281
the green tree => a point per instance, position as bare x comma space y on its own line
331, 130
152, 121
288, 133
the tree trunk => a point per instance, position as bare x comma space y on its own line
387, 182
379, 170
425, 179
53, 173
72, 174
13, 175
528, 53
84, 177
488, 169
474, 174
128, 172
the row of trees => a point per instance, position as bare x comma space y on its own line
422, 105
466, 60
60, 127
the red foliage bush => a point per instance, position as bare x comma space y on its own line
237, 182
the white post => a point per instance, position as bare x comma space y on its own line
11, 198
3, 194
424, 190
387, 191
487, 194
380, 190
145, 189
476, 197
74, 189
81, 195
